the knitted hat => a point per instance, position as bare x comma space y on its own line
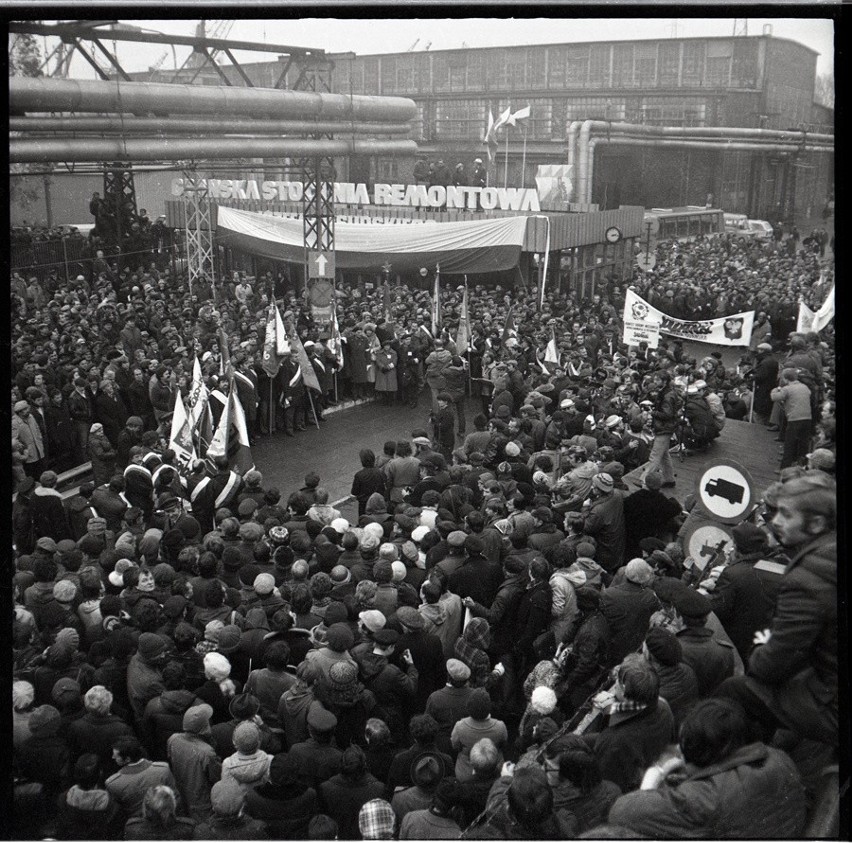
603, 482
691, 604
23, 694
151, 646
65, 690
638, 571
339, 637
373, 529
342, 682
369, 541
164, 574
212, 630
45, 721
229, 639
197, 718
663, 646
264, 584
335, 612
64, 591
227, 797
457, 670
340, 525
373, 619
68, 638
251, 532
216, 667
409, 617
456, 538
246, 738
418, 533
512, 449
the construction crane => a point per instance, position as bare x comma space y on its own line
411, 48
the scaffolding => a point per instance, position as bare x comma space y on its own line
200, 251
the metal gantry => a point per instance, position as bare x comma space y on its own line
200, 253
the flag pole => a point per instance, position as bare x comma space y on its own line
524, 161
313, 410
506, 164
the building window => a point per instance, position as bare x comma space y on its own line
592, 108
540, 124
577, 67
622, 66
599, 66
556, 67
693, 63
744, 66
457, 77
516, 69
475, 71
387, 170
646, 65
536, 68
669, 64
465, 119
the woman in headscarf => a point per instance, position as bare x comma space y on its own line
386, 380
472, 649
101, 453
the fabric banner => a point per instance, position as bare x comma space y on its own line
460, 247
730, 330
320, 294
816, 320
641, 330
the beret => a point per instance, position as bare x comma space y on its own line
456, 538
196, 718
664, 646
748, 538
410, 617
457, 670
373, 619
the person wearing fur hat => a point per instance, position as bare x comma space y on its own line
678, 685
249, 765
193, 761
627, 608
219, 689
144, 676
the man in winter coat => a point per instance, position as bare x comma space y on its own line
628, 608
25, 429
437, 361
455, 385
665, 415
791, 677
144, 679
765, 376
193, 761
46, 509
604, 521
720, 792
648, 512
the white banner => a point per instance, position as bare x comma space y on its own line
730, 330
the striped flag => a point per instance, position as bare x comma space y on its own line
335, 341
436, 302
180, 437
308, 373
274, 342
231, 437
463, 335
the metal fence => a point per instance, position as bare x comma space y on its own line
67, 257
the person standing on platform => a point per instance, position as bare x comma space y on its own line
665, 414
795, 399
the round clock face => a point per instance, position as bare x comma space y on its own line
613, 235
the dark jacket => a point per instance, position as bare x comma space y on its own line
87, 815
647, 513
478, 578
628, 608
285, 810
632, 742
755, 793
665, 412
744, 598
798, 666
679, 688
48, 514
712, 660
342, 799
605, 522
501, 613
163, 718
94, 733
588, 659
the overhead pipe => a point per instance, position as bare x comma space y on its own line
169, 149
573, 128
189, 125
584, 188
156, 98
734, 146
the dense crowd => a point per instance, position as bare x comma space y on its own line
198, 655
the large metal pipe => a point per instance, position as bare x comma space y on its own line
151, 98
733, 146
573, 128
196, 125
170, 149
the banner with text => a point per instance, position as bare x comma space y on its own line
641, 330
730, 330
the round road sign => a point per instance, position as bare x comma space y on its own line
705, 541
725, 490
646, 261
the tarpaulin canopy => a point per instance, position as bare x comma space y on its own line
459, 247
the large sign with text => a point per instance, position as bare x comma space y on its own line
391, 195
729, 330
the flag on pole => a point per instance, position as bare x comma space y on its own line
826, 312
805, 320
436, 302
231, 437
224, 352
463, 335
386, 299
502, 119
520, 114
180, 436
490, 140
335, 341
551, 354
274, 342
200, 417
510, 331
308, 373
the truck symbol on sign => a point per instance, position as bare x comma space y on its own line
732, 492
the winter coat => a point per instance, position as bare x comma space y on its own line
447, 705
468, 732
455, 381
632, 742
628, 608
137, 828
112, 414
391, 687
386, 370
163, 718
96, 733
605, 523
230, 828
247, 771
587, 659
436, 363
28, 433
665, 412
765, 379
590, 808
754, 793
796, 670
478, 578
318, 762
286, 811
48, 514
342, 799
196, 769
472, 649
679, 688
744, 598
111, 506
711, 658
532, 619
647, 513
144, 682
87, 815
102, 456
501, 613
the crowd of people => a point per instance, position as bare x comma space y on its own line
197, 655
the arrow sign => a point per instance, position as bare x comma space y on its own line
321, 265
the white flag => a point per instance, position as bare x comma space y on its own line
826, 312
180, 437
520, 114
